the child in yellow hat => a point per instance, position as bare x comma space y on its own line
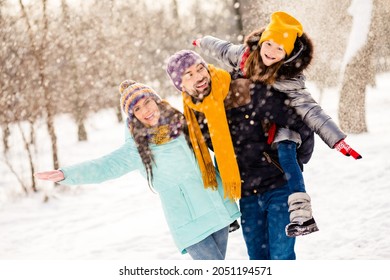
276, 56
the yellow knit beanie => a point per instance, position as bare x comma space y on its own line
283, 30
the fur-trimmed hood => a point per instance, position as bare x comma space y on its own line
299, 59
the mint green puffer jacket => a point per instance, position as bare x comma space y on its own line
192, 212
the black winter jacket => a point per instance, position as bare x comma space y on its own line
257, 161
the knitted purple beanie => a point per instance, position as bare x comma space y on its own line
179, 62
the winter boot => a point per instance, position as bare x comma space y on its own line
301, 219
234, 226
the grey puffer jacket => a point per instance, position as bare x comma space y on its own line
293, 85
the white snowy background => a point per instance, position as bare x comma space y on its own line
122, 218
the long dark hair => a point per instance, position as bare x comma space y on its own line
254, 67
140, 134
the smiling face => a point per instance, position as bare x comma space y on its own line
147, 111
271, 52
196, 81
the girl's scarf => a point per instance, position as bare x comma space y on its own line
166, 130
213, 108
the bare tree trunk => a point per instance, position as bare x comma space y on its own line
6, 135
238, 17
118, 113
38, 53
79, 111
13, 171
4, 121
27, 147
359, 73
47, 97
352, 109
175, 11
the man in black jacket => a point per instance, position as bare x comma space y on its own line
249, 109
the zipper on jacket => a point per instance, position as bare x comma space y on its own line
272, 161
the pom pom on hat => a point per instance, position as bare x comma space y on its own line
283, 30
179, 62
131, 92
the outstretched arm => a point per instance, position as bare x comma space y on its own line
111, 166
314, 116
224, 51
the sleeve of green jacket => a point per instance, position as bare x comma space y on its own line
117, 163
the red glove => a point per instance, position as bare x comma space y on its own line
196, 42
345, 149
271, 134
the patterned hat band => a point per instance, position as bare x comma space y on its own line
131, 93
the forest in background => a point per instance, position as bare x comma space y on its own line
62, 56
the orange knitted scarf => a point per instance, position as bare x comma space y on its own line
213, 108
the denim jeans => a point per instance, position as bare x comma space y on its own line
212, 247
263, 221
287, 153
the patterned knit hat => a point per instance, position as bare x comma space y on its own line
131, 92
283, 30
179, 62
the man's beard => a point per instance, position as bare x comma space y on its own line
200, 95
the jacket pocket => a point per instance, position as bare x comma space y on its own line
188, 203
177, 207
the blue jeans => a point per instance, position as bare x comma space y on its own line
263, 221
212, 247
287, 153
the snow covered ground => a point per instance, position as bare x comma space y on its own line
122, 219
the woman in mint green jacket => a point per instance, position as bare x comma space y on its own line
198, 217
